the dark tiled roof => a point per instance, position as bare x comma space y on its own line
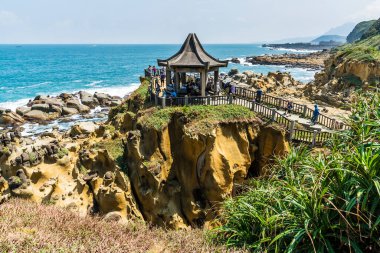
192, 54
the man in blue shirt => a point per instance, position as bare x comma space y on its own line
316, 113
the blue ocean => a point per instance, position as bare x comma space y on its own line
30, 70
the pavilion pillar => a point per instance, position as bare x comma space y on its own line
176, 76
168, 77
183, 78
216, 78
203, 82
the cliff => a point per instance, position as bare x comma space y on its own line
351, 67
170, 167
359, 30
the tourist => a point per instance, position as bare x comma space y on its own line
314, 119
158, 89
150, 71
233, 89
162, 77
154, 71
217, 89
259, 94
289, 107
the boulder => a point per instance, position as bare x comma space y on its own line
36, 115
10, 119
88, 99
69, 111
104, 99
75, 103
235, 60
22, 110
83, 128
41, 107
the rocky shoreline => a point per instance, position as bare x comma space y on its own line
63, 108
313, 61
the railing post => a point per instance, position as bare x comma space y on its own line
333, 124
186, 100
314, 138
156, 99
291, 130
253, 106
273, 114
230, 99
208, 100
304, 111
163, 102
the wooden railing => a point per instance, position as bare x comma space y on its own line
281, 103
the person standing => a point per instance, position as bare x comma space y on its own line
259, 94
316, 113
154, 71
289, 107
162, 77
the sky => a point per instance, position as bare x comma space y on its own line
169, 21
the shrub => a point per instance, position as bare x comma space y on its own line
315, 202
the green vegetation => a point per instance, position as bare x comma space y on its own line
62, 152
372, 31
32, 157
315, 201
115, 149
364, 50
198, 118
359, 30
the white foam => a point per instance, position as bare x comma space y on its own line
120, 91
295, 50
94, 83
14, 104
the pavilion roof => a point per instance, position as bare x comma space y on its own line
192, 55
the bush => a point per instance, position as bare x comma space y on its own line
315, 202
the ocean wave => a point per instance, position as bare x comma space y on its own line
94, 83
120, 91
295, 50
14, 104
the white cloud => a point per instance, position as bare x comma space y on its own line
8, 18
371, 11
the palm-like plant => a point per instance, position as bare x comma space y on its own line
315, 202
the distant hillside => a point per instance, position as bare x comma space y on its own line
363, 50
342, 30
359, 30
328, 38
372, 31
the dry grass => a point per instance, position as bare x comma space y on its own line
29, 227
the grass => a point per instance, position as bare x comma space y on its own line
315, 201
115, 149
29, 227
364, 50
198, 118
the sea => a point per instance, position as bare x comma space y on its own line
30, 70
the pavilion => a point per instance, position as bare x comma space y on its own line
192, 58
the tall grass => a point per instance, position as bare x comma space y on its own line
314, 201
